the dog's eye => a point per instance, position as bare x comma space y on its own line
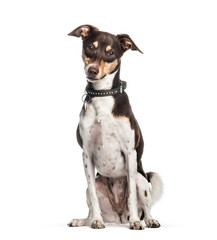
110, 52
90, 47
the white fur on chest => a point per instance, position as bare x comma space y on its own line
106, 138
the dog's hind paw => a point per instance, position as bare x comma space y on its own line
151, 223
96, 224
77, 223
136, 225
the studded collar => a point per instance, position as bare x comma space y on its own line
103, 93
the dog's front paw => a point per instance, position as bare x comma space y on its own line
137, 225
96, 224
77, 223
151, 223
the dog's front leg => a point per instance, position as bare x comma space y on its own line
132, 199
97, 221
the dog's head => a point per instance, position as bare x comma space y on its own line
102, 51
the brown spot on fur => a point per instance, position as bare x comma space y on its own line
95, 44
108, 67
145, 193
85, 165
102, 66
108, 48
86, 59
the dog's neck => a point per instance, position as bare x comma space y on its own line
110, 81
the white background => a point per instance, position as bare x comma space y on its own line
172, 88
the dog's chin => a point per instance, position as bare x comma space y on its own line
94, 80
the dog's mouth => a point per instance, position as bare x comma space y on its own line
91, 79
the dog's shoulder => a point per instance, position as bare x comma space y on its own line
123, 108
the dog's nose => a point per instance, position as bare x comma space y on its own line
92, 72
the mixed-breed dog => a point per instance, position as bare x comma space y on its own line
111, 139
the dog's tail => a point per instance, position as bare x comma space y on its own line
156, 186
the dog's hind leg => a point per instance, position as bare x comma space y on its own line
146, 198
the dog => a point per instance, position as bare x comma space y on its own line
111, 139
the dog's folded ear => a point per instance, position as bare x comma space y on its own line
83, 31
127, 43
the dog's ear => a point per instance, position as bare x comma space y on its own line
83, 31
127, 43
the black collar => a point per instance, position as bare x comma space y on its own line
103, 93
